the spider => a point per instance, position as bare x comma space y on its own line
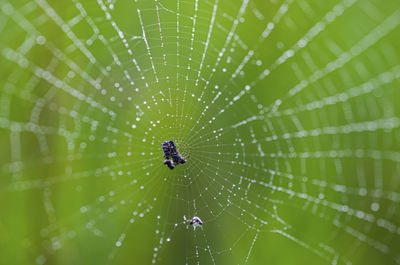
171, 154
195, 221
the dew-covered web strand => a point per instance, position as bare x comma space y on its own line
359, 191
222, 52
11, 55
370, 39
193, 34
373, 34
333, 206
301, 43
379, 32
124, 165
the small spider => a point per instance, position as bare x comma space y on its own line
195, 221
171, 154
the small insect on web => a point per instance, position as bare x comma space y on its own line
195, 221
171, 154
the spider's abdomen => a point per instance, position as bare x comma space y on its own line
166, 147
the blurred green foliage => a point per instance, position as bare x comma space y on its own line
287, 110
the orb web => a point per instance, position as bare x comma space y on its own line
285, 110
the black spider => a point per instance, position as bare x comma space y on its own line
171, 154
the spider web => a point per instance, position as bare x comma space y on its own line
286, 111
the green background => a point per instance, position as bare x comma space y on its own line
287, 111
